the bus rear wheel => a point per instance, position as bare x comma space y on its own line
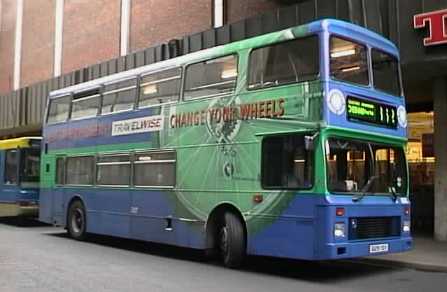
231, 240
76, 221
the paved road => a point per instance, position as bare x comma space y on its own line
38, 258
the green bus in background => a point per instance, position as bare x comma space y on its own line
289, 144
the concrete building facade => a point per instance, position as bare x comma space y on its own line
49, 44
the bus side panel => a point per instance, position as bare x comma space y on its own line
51, 206
156, 219
106, 210
8, 193
45, 206
150, 211
2, 169
291, 235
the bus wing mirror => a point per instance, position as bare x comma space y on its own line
309, 142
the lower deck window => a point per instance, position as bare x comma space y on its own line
113, 170
154, 169
144, 169
60, 170
79, 170
286, 163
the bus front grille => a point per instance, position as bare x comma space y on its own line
373, 227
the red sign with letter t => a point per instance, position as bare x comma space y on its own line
437, 25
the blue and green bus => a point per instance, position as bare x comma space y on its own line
19, 177
289, 144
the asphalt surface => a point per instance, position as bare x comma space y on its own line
37, 257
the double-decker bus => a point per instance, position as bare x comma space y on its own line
289, 144
19, 177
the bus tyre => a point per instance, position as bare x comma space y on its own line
76, 221
232, 241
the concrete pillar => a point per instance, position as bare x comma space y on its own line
440, 140
18, 44
218, 13
58, 35
125, 27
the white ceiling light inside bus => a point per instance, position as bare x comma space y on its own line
354, 68
150, 89
229, 73
343, 52
336, 101
144, 158
402, 116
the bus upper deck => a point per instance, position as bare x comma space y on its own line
19, 176
357, 74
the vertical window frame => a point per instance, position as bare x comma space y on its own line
64, 178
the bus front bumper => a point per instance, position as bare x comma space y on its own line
355, 249
21, 209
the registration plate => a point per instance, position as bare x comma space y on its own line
376, 248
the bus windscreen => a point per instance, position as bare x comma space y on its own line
365, 167
30, 167
386, 72
349, 61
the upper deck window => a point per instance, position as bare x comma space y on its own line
85, 104
59, 109
160, 88
119, 96
386, 72
288, 62
211, 78
349, 61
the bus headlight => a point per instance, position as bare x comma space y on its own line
402, 116
336, 101
339, 230
406, 226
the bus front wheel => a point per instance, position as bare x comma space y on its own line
232, 241
76, 221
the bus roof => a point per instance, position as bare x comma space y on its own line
343, 28
23, 142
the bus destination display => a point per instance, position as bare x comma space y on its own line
371, 112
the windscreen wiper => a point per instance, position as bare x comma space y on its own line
393, 193
365, 188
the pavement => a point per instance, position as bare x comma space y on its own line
427, 255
